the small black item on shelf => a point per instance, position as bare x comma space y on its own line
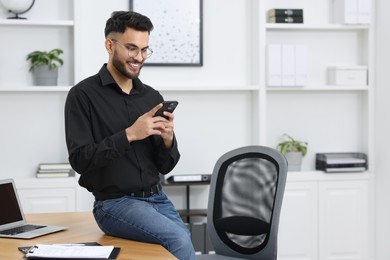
341, 162
285, 16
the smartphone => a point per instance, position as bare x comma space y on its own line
167, 106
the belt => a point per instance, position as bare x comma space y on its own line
144, 194
141, 194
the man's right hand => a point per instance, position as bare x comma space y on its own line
146, 125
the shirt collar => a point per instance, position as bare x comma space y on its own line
107, 80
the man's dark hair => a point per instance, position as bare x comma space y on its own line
120, 20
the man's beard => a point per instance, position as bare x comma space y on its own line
122, 68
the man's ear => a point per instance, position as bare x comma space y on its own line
108, 43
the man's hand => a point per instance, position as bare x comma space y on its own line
147, 125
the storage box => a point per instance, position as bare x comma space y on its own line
347, 75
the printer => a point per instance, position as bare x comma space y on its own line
341, 162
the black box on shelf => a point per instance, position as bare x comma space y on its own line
285, 12
285, 16
341, 162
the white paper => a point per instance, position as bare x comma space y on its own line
344, 160
70, 251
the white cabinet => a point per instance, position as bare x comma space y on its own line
53, 195
324, 219
343, 220
47, 195
43, 200
298, 232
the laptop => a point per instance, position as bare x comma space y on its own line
12, 220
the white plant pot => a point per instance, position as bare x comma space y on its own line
43, 76
294, 160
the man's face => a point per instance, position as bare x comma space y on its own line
129, 55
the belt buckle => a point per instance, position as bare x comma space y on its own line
147, 194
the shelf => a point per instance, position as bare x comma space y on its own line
323, 176
325, 27
15, 22
36, 89
208, 88
318, 88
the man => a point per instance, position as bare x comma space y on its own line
119, 147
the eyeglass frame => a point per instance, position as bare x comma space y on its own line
135, 49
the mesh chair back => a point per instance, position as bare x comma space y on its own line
246, 192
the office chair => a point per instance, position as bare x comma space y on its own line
246, 192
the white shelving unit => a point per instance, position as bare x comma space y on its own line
321, 211
54, 30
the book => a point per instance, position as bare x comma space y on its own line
284, 12
52, 166
54, 170
285, 19
55, 173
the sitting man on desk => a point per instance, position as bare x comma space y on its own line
119, 147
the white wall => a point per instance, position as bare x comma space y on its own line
382, 127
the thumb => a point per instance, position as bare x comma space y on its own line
153, 111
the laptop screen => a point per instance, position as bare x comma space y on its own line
10, 208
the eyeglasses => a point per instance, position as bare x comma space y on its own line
133, 51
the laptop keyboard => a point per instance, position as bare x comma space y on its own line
21, 229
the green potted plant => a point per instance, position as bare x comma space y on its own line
44, 66
293, 150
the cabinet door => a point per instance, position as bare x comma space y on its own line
298, 222
47, 200
343, 220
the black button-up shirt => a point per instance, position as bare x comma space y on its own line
97, 112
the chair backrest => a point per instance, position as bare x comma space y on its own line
246, 192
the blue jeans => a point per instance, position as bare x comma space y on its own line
152, 220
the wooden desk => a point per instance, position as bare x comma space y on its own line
81, 228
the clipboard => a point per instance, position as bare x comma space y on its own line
113, 255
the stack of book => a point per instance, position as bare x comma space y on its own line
53, 170
285, 16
